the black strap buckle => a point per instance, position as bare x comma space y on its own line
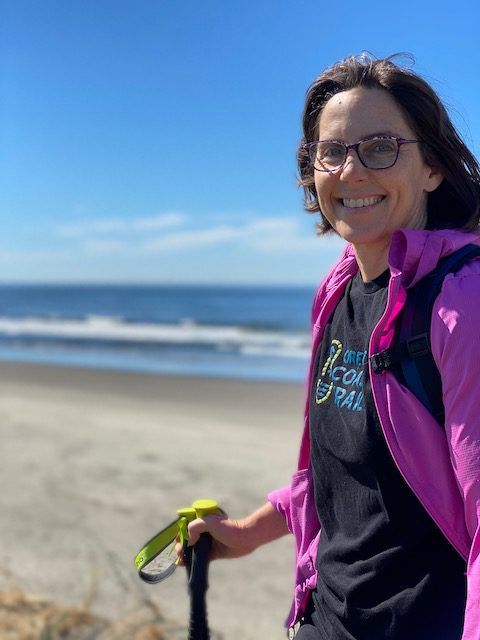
382, 360
418, 346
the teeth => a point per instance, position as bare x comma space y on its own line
361, 202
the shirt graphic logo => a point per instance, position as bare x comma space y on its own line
343, 383
324, 389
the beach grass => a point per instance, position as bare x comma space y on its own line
25, 616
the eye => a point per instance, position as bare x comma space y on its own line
332, 151
382, 146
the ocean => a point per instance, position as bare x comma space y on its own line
258, 333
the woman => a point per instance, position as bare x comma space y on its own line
397, 553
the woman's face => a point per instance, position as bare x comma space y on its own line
365, 206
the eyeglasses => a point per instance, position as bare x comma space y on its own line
380, 152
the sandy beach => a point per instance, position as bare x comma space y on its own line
95, 462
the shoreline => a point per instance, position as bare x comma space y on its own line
24, 369
279, 370
97, 461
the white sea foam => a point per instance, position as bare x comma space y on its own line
246, 341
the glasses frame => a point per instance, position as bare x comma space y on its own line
400, 141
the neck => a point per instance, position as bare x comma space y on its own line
371, 262
373, 258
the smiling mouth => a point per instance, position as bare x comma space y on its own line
357, 203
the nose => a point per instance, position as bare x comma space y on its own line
352, 168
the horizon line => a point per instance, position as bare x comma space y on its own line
137, 283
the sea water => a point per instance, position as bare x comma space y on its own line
259, 333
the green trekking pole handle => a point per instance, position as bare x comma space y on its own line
157, 560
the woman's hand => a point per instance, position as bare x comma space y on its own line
236, 538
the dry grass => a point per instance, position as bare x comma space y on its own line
25, 616
28, 617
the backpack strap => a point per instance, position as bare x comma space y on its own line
411, 357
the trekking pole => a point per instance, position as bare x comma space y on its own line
196, 561
157, 560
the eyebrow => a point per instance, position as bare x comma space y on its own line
377, 134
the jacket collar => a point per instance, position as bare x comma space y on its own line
413, 253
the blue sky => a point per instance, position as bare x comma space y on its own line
154, 141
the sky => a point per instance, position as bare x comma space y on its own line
152, 141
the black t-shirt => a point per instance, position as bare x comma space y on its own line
385, 571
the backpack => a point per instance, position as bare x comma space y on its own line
410, 358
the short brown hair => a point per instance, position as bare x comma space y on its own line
455, 204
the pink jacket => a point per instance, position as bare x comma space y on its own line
442, 470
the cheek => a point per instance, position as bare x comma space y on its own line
321, 186
407, 185
410, 197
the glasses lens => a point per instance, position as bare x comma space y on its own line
326, 156
378, 153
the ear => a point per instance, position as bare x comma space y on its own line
434, 179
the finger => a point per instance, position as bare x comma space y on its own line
195, 530
202, 525
179, 552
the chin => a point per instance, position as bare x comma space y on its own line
361, 236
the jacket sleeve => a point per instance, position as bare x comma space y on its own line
455, 338
280, 499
